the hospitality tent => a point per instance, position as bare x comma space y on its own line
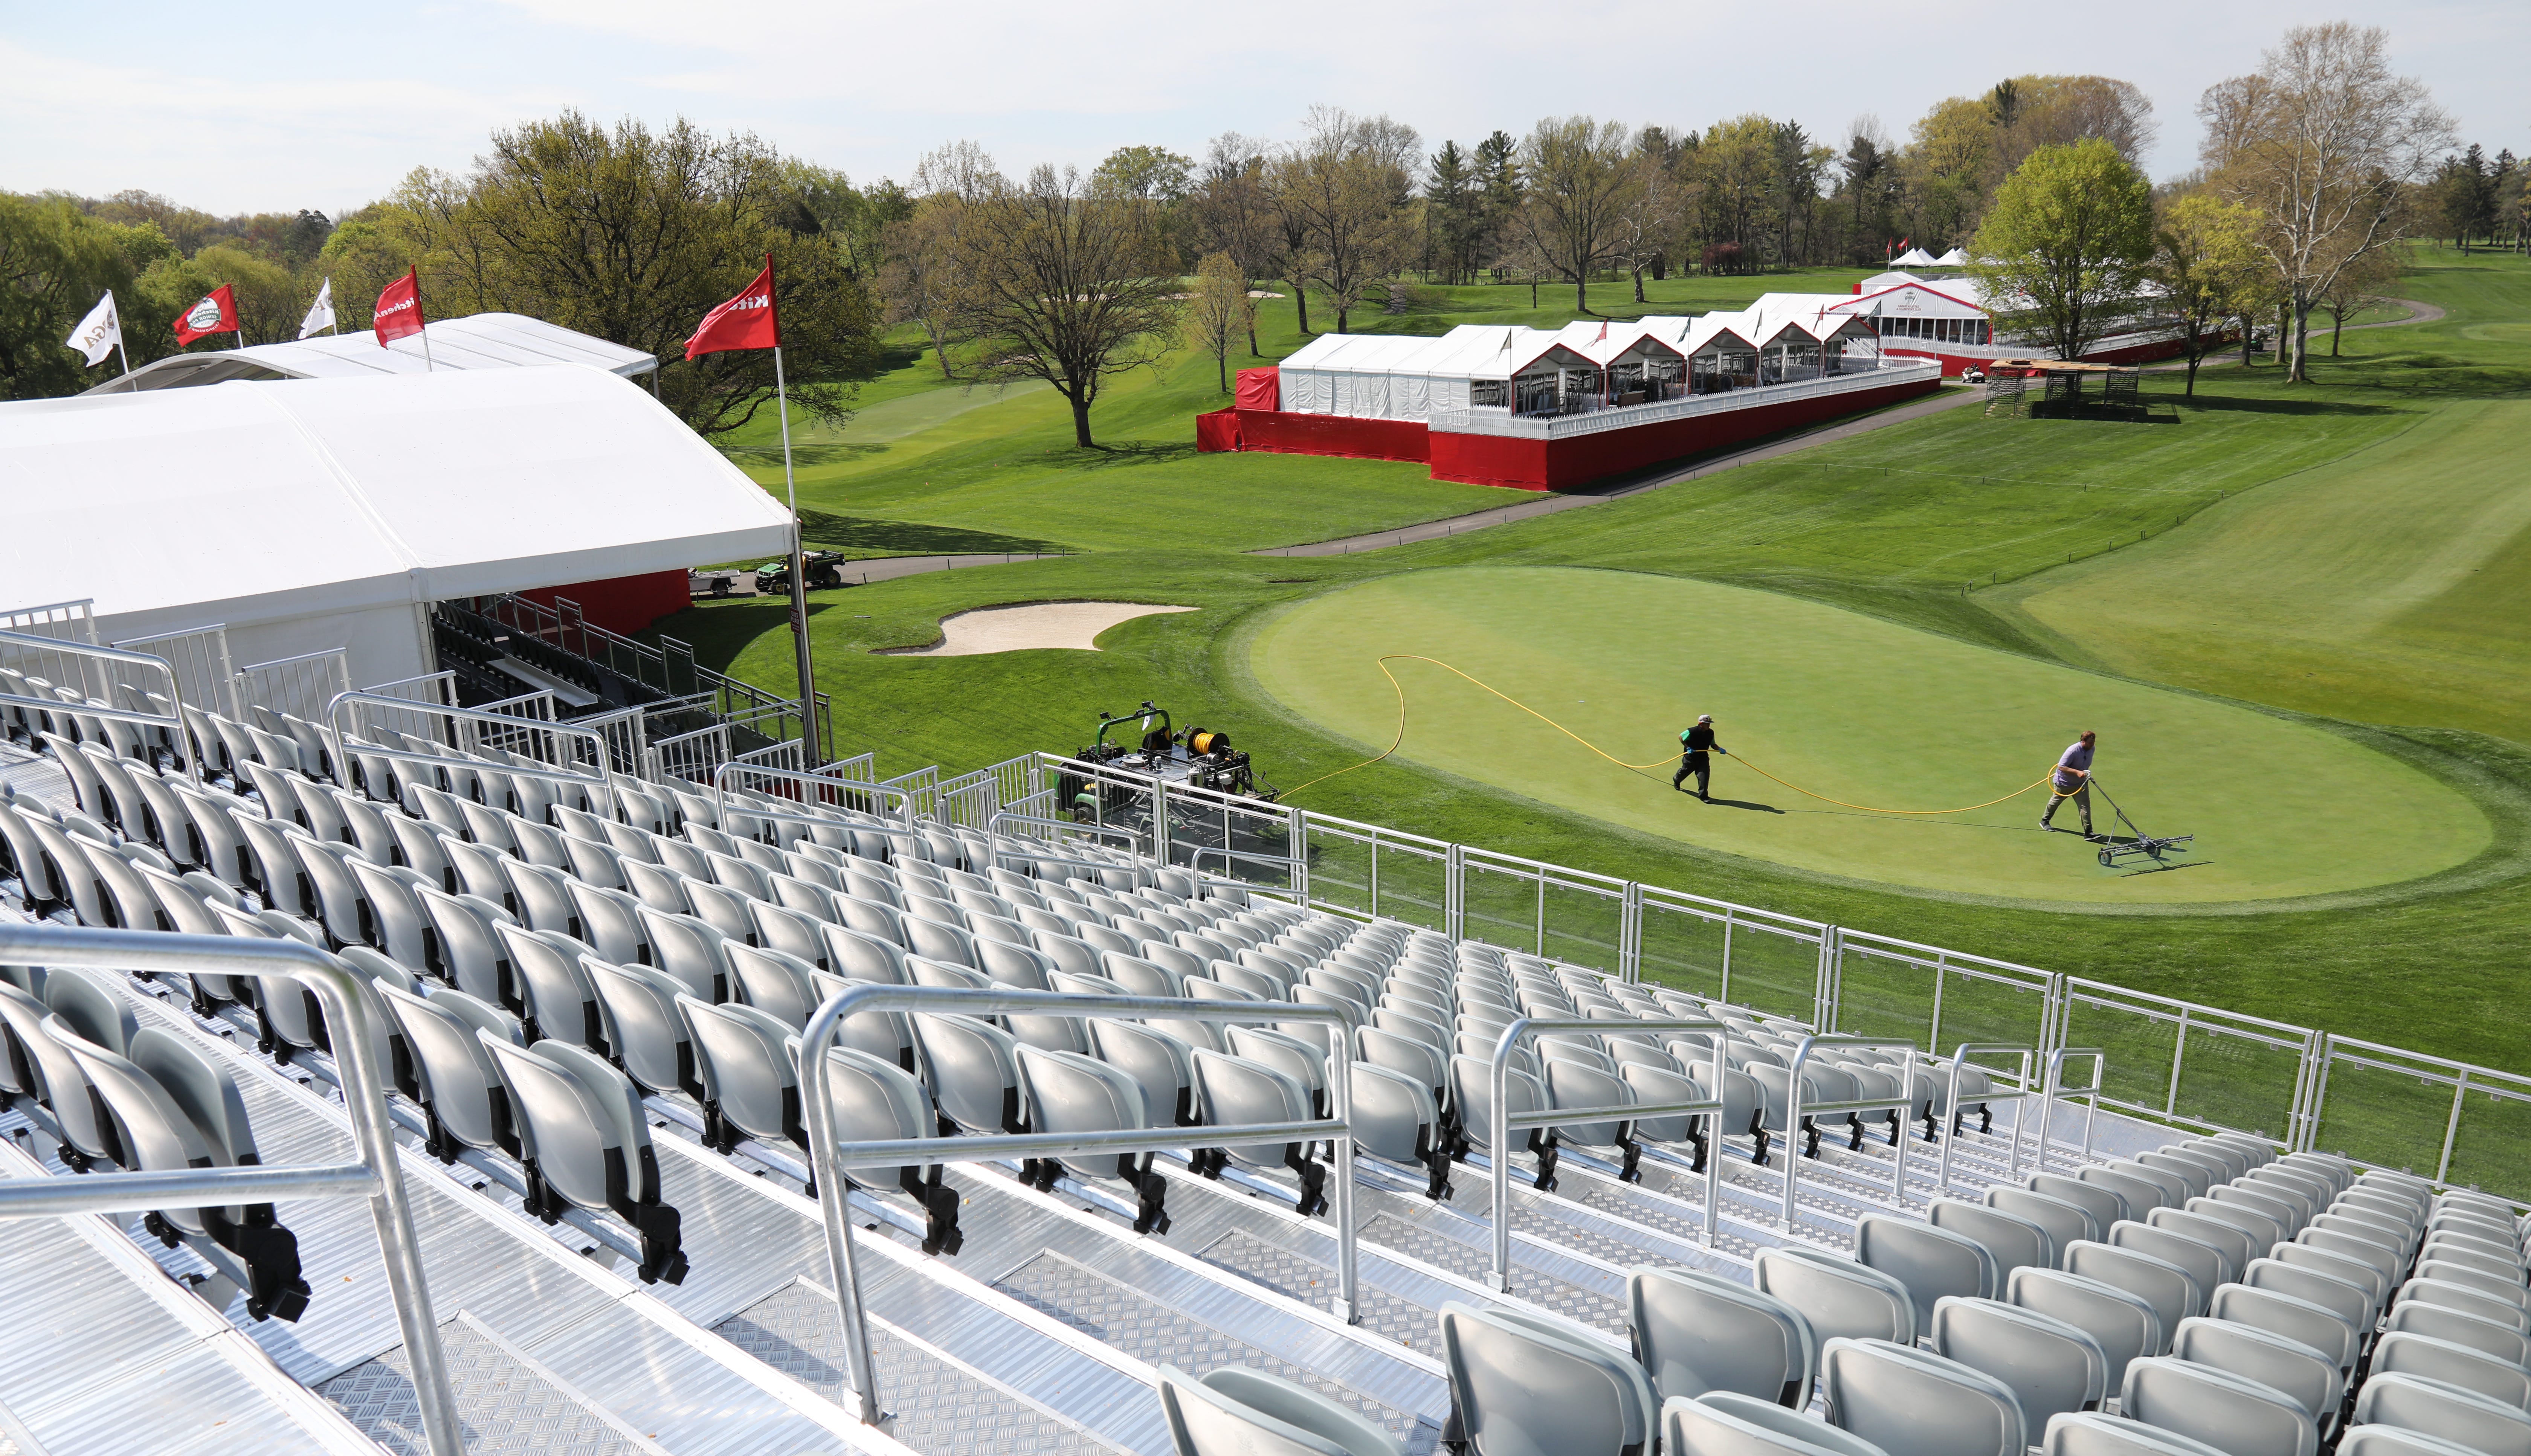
479, 341
1913, 257
315, 514
1955, 259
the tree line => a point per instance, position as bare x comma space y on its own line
631, 233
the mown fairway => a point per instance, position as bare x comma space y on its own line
1853, 708
1955, 526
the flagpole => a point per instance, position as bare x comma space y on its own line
120, 351
799, 580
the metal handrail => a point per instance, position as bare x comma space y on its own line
1498, 1073
376, 1174
174, 721
2056, 1087
830, 1158
1794, 1112
605, 775
993, 826
1960, 1055
720, 792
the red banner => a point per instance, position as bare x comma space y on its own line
746, 322
399, 310
216, 313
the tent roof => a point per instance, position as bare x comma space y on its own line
481, 341
1913, 257
1955, 259
250, 502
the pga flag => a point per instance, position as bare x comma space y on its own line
746, 322
100, 333
320, 315
399, 310
216, 313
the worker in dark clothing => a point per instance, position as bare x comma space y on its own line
1694, 744
2072, 779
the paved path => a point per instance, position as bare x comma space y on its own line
1951, 397
1547, 503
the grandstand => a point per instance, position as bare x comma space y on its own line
703, 1103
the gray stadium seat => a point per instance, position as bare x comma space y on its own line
2391, 1440
1071, 1093
2407, 1353
584, 1143
2065, 1221
2105, 1205
2124, 1325
88, 1134
176, 1109
874, 1101
2174, 1294
2464, 1298
1521, 1386
1234, 1089
1394, 1117
1727, 1425
2465, 1418
2232, 1414
2461, 1327
644, 1026
462, 1092
687, 951
1472, 1094
1236, 1410
1910, 1402
2308, 1375
2297, 1320
2013, 1241
1931, 1263
554, 993
470, 951
2049, 1364
776, 983
2205, 1263
751, 1084
1698, 1333
2087, 1434
1838, 1297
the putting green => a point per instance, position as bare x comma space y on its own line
1855, 708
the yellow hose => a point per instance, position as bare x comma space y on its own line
1396, 743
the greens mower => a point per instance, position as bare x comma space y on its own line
1151, 755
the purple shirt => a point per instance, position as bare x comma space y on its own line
2077, 756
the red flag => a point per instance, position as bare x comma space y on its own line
399, 312
746, 322
216, 313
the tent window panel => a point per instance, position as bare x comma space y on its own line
1488, 394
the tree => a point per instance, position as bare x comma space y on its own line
1230, 212
2358, 287
1061, 280
270, 304
2205, 262
1454, 212
54, 263
2063, 251
1219, 311
1580, 185
1151, 174
2465, 198
919, 275
2324, 140
1347, 187
1737, 165
633, 235
1650, 214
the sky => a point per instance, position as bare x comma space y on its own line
327, 105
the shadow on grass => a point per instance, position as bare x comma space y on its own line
864, 536
2234, 403
1109, 457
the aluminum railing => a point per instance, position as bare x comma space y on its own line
2057, 1090
830, 1157
2026, 1089
1795, 1111
720, 786
375, 1176
82, 657
598, 772
1502, 1121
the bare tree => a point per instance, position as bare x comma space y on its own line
919, 277
2367, 282
2325, 140
1063, 283
1579, 189
1649, 216
1233, 213
1351, 198
1219, 311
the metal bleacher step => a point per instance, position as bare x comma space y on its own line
101, 1351
619, 1345
511, 1405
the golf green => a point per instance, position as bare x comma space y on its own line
1855, 708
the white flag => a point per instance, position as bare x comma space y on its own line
98, 334
320, 315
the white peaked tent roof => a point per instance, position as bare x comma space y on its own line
481, 341
1955, 259
250, 502
1913, 257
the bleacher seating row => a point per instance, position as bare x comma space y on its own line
553, 957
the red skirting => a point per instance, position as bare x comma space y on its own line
1259, 389
625, 605
1562, 465
1331, 435
1216, 430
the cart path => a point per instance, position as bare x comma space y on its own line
1547, 503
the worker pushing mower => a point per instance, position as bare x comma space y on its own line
2072, 779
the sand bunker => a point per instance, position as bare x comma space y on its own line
1039, 624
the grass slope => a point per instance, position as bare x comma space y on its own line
1852, 708
1894, 526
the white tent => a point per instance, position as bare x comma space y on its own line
481, 341
1955, 259
328, 512
1913, 257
